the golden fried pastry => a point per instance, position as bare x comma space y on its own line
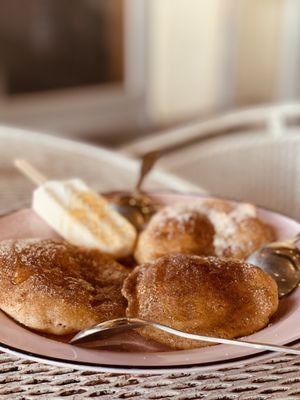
169, 231
58, 288
208, 227
239, 231
202, 295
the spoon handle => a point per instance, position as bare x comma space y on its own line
233, 342
148, 162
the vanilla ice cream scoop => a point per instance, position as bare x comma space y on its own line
80, 215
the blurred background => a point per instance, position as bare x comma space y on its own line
214, 85
111, 71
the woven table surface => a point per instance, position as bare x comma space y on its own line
275, 378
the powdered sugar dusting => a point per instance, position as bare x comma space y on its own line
226, 226
184, 217
226, 218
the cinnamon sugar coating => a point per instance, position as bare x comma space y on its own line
58, 288
207, 227
202, 295
186, 232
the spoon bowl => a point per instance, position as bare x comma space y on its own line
281, 260
138, 207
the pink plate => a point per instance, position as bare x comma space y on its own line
129, 352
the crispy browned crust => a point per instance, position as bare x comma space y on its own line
193, 233
209, 227
58, 288
204, 295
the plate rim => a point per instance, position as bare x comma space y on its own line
81, 365
100, 367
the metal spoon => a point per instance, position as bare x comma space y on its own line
138, 207
281, 260
92, 336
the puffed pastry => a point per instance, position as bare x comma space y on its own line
202, 295
169, 231
207, 227
58, 288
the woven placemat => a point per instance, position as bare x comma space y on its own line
276, 378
